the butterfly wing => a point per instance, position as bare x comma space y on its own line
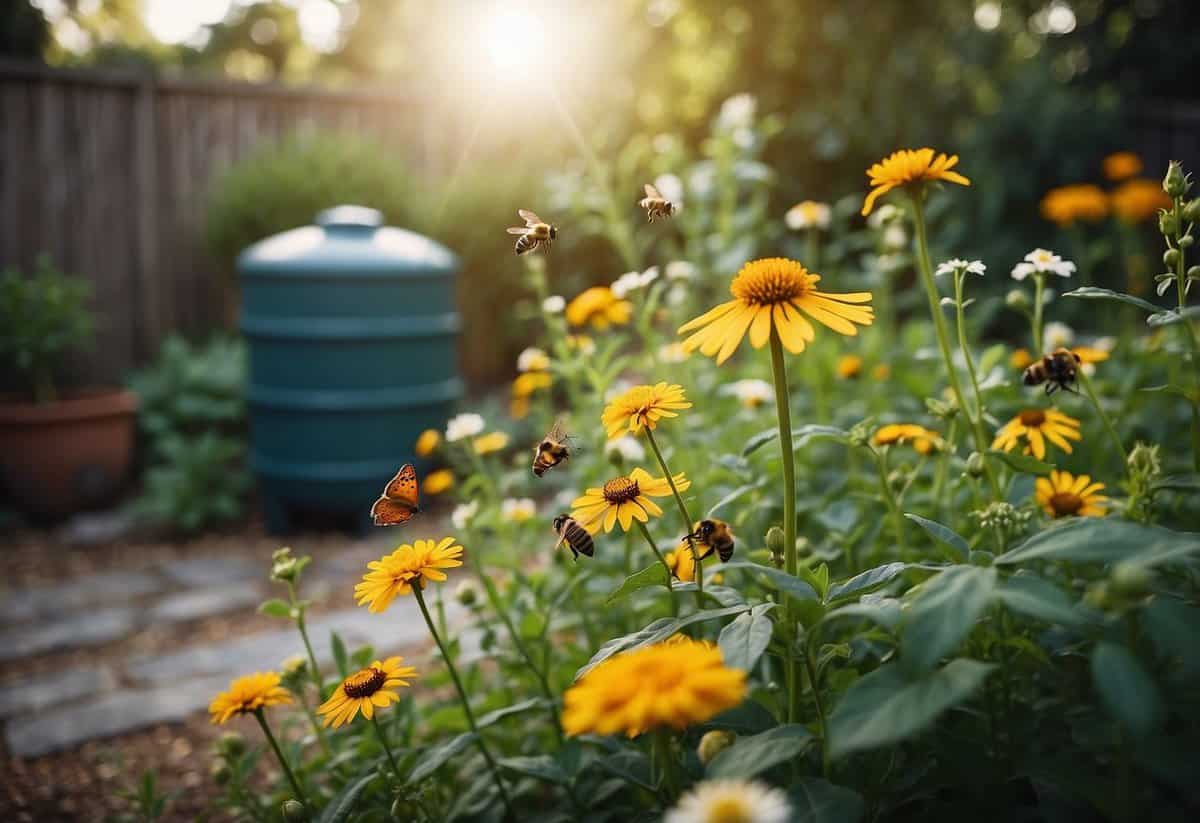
391, 513
400, 500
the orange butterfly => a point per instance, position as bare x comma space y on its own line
399, 501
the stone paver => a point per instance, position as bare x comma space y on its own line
206, 602
214, 569
94, 528
90, 628
33, 694
100, 588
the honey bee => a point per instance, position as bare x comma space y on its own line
1057, 370
655, 204
713, 534
576, 537
534, 234
553, 449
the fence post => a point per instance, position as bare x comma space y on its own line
148, 302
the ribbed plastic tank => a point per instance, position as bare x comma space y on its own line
351, 329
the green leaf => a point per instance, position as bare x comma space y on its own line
656, 632
339, 653
864, 583
540, 767
777, 579
1021, 462
496, 715
812, 431
758, 441
883, 611
743, 640
886, 707
748, 717
818, 801
653, 575
1172, 316
755, 754
629, 765
1094, 293
1126, 689
1103, 540
433, 759
1034, 597
275, 608
342, 805
1173, 627
944, 613
731, 497
942, 534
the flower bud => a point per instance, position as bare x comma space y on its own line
1191, 211
1193, 273
231, 744
1143, 460
294, 811
467, 592
284, 567
896, 479
1098, 596
1170, 258
1175, 183
220, 773
1131, 579
975, 464
1167, 224
713, 743
776, 541
1017, 299
1186, 241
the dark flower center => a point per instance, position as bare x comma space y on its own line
767, 283
364, 683
1066, 503
621, 490
1032, 418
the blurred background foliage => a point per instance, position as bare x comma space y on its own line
1032, 93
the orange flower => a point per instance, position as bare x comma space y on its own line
907, 167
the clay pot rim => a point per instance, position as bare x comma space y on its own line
84, 404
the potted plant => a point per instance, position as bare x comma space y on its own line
60, 451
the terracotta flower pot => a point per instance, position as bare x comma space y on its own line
58, 458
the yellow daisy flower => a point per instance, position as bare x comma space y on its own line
1020, 359
909, 166
581, 343
1137, 201
395, 573
599, 307
623, 500
769, 295
438, 482
429, 440
642, 406
849, 366
530, 382
675, 684
1089, 354
246, 695
366, 690
1037, 426
492, 442
1121, 165
923, 440
681, 563
1066, 205
1064, 495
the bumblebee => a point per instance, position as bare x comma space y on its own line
553, 449
1057, 370
535, 234
574, 535
655, 204
712, 534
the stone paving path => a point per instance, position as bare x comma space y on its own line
48, 712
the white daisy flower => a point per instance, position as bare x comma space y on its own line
738, 111
884, 214
1058, 336
1043, 261
463, 426
631, 281
627, 446
1105, 343
957, 264
808, 214
752, 393
743, 138
746, 801
517, 510
895, 237
463, 514
533, 359
554, 304
680, 270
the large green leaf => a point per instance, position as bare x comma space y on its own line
732, 496
755, 754
1035, 597
496, 715
540, 767
656, 632
748, 717
818, 801
1173, 627
1103, 540
801, 435
1094, 293
1126, 688
342, 805
864, 583
886, 706
883, 611
944, 613
438, 756
942, 534
1172, 316
777, 579
743, 640
654, 575
1021, 462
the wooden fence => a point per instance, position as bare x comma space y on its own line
108, 174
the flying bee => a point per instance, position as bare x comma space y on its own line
553, 449
655, 204
713, 534
1057, 370
576, 537
535, 233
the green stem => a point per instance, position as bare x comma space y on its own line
383, 742
650, 540
317, 729
813, 249
1039, 287
1181, 291
1112, 432
962, 342
287, 770
893, 506
665, 764
683, 512
312, 658
816, 693
466, 704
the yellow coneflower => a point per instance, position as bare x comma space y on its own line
247, 695
1037, 426
491, 442
623, 500
525, 386
1064, 495
769, 295
682, 563
599, 307
908, 167
428, 442
671, 685
923, 440
1090, 354
1137, 201
396, 573
1121, 165
366, 690
1066, 205
849, 366
642, 407
438, 482
1020, 359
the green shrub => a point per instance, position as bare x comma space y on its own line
42, 317
198, 483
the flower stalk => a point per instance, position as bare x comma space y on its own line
287, 770
683, 512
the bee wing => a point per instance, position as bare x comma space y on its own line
518, 230
529, 217
557, 431
653, 192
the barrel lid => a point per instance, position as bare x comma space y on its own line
347, 240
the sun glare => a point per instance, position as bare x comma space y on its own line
514, 39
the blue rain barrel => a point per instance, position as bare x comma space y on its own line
351, 329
